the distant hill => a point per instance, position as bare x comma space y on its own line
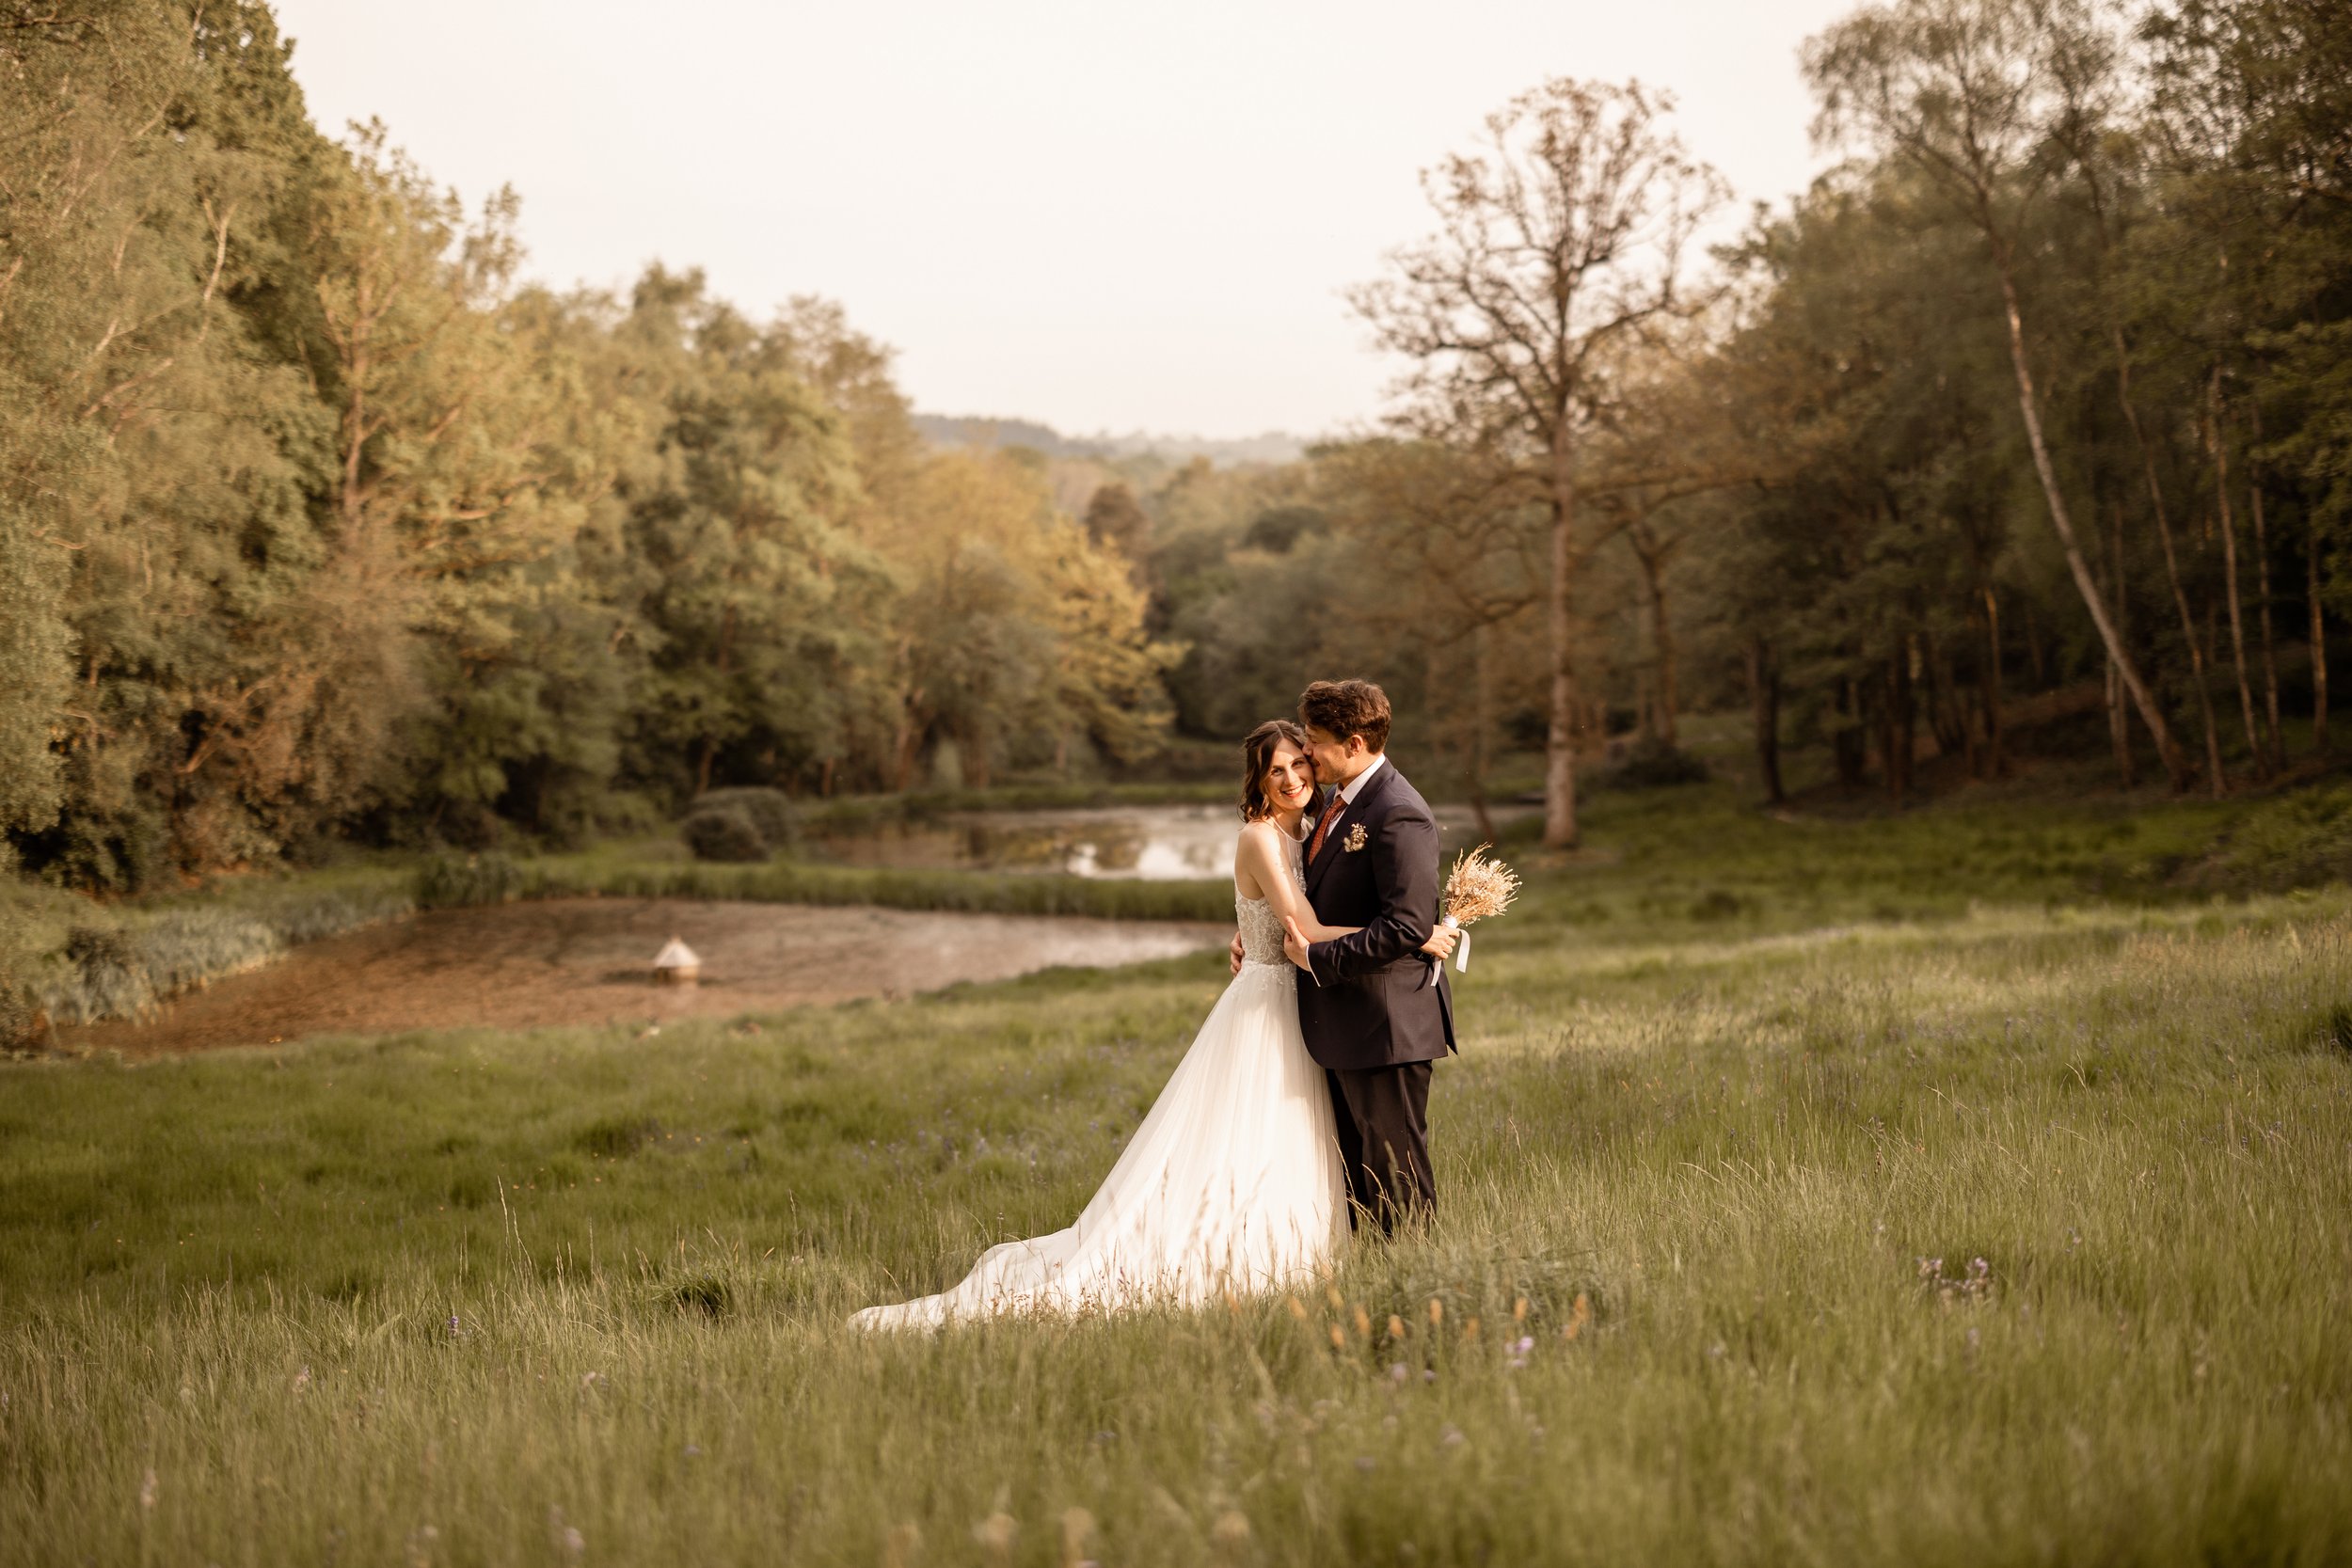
948, 429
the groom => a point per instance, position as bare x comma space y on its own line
1375, 1011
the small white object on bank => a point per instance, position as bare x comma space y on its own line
678, 964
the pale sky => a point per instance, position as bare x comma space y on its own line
1107, 216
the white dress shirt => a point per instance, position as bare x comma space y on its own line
1355, 786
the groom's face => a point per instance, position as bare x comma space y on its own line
1336, 760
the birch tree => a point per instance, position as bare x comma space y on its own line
1970, 93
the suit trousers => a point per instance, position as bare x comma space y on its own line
1383, 1117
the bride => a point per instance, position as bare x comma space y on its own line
1233, 1182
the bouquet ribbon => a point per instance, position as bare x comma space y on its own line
1461, 950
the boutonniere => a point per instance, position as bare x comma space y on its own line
1355, 839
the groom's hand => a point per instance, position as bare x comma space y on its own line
1294, 944
1234, 952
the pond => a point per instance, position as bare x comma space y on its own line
587, 961
1151, 843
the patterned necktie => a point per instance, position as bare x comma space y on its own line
1323, 826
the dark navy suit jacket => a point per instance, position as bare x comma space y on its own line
1372, 1000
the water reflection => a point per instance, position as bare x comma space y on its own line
1148, 843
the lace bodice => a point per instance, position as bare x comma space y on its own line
1261, 927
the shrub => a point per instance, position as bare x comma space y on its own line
770, 811
2300, 839
723, 834
464, 882
107, 978
186, 946
24, 1023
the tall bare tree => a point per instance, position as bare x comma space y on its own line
1560, 249
1970, 93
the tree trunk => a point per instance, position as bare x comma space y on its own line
2217, 443
1666, 699
972, 751
2027, 404
2196, 651
724, 663
2270, 640
1848, 744
1955, 734
2172, 559
2118, 711
1902, 726
1560, 744
1764, 702
2119, 725
2206, 657
1849, 753
2319, 643
1482, 699
1995, 752
909, 755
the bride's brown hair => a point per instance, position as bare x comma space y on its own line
1257, 755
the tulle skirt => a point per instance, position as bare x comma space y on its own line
1231, 1185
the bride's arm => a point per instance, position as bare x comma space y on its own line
1261, 855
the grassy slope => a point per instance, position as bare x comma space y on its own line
1730, 1086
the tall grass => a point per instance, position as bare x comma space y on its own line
1997, 1228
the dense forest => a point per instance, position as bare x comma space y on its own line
318, 524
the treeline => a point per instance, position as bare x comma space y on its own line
2037, 407
314, 523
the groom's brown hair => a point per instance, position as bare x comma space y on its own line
1343, 708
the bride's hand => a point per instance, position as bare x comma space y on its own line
1295, 944
1441, 942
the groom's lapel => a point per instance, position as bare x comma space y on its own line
1355, 812
1322, 857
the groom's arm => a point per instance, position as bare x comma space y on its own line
1404, 872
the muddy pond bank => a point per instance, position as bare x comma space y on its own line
586, 961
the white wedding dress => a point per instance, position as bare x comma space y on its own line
1231, 1185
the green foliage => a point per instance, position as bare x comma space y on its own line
723, 834
336, 531
464, 882
770, 811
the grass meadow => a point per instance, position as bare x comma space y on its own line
1971, 1184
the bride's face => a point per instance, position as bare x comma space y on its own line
1290, 778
